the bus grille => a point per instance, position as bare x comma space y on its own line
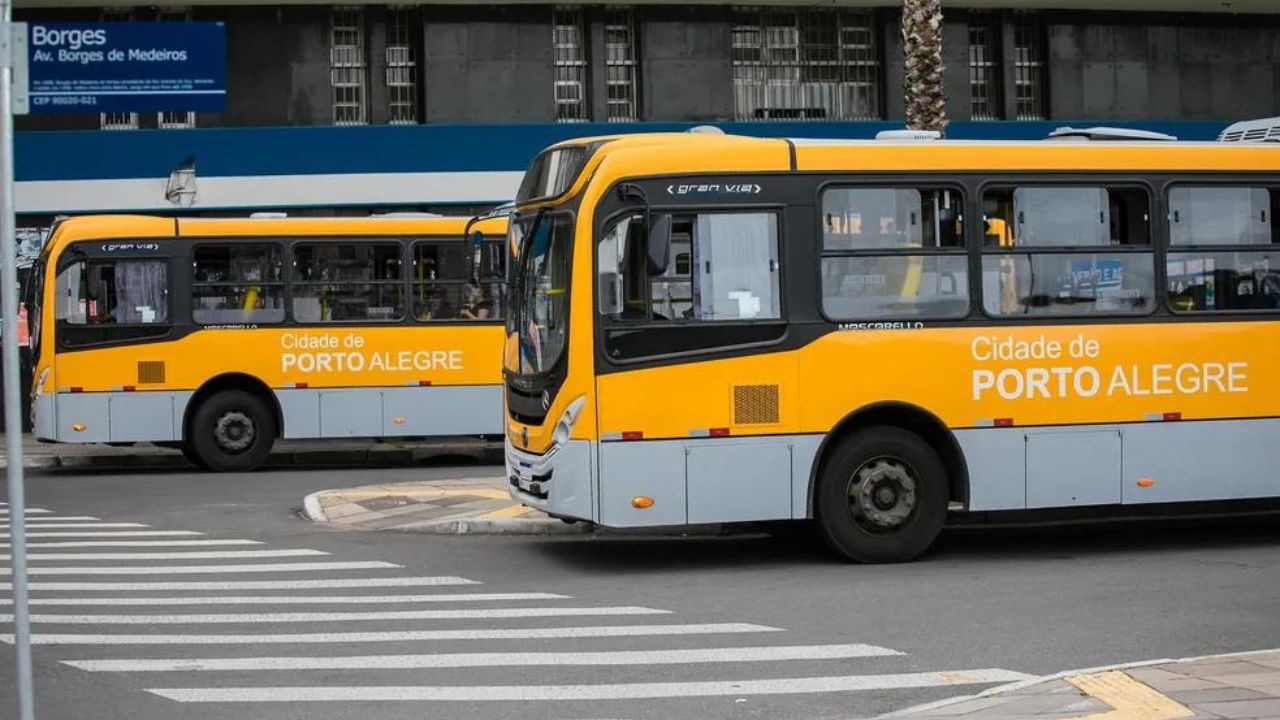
150, 372
755, 404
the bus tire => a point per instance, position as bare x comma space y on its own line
189, 452
232, 430
882, 496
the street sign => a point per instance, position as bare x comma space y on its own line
77, 67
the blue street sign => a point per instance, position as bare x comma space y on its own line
126, 66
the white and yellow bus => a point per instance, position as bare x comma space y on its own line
217, 336
712, 329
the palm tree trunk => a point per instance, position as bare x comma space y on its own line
922, 71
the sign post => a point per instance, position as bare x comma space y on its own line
12, 38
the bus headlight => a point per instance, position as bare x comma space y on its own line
44, 375
564, 426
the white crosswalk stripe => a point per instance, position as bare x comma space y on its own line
298, 599
112, 533
46, 519
190, 555
71, 525
136, 543
536, 633
328, 583
527, 628
629, 691
513, 659
191, 569
30, 511
258, 618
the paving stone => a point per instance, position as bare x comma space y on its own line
1217, 695
1269, 708
1211, 668
1190, 683
1053, 687
1155, 674
1248, 680
1057, 703
387, 502
969, 706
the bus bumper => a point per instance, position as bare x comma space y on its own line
559, 482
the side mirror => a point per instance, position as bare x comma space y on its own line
611, 302
659, 244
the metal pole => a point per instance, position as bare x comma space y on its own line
12, 384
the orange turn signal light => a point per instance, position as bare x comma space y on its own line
398, 420
1145, 482
641, 502
78, 427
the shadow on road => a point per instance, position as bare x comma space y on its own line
1134, 538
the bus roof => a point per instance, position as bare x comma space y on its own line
154, 227
642, 154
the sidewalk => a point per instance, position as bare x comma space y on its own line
455, 507
1242, 686
287, 453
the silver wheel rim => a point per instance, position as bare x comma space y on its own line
882, 494
234, 431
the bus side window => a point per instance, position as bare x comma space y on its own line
1067, 250
1224, 252
101, 301
893, 253
236, 283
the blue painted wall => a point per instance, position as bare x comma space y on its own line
221, 152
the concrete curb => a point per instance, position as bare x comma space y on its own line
503, 526
1022, 684
313, 509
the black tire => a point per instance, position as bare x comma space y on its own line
901, 497
232, 431
189, 453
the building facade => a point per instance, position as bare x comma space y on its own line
353, 108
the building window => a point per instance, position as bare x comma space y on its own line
118, 120
985, 98
175, 119
620, 66
570, 64
805, 65
402, 66
1028, 67
347, 68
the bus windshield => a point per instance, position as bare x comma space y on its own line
541, 298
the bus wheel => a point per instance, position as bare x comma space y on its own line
882, 496
232, 430
189, 452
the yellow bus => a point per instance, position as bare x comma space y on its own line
714, 329
217, 336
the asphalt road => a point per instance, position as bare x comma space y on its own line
744, 627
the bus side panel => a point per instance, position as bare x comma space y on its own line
300, 410
84, 417
996, 458
654, 469
141, 416
739, 481
445, 410
354, 412
1211, 460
